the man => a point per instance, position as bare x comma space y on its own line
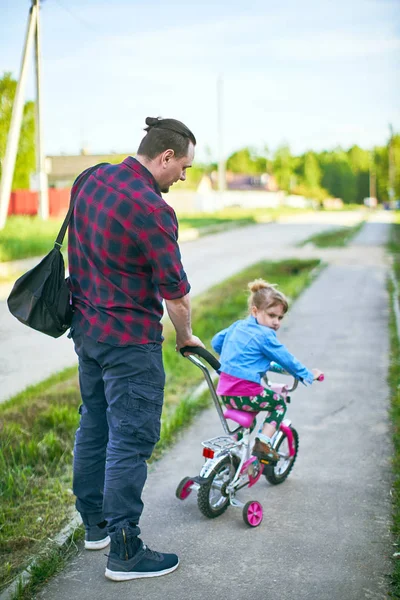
123, 260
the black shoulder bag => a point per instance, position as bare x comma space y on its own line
41, 298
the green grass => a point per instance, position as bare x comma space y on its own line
394, 244
37, 427
339, 236
50, 561
25, 236
394, 383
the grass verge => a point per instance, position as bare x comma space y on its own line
37, 427
339, 236
25, 236
394, 384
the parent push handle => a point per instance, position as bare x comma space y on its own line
208, 357
193, 352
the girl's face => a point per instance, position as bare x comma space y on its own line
271, 317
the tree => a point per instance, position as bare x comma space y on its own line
312, 171
381, 161
282, 167
338, 177
25, 163
396, 164
247, 162
360, 161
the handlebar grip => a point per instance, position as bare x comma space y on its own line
321, 377
208, 357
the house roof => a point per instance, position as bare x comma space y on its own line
68, 167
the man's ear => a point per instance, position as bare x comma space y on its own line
166, 156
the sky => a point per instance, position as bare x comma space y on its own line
314, 74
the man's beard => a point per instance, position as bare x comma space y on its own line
165, 190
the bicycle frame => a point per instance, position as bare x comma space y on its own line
229, 465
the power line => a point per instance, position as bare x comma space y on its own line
78, 18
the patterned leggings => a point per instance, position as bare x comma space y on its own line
268, 400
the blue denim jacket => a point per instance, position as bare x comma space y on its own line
247, 349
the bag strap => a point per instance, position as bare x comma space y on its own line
62, 232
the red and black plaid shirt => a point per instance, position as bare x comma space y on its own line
123, 255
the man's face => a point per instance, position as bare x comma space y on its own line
175, 168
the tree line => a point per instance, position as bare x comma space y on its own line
351, 175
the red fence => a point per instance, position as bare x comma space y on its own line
25, 202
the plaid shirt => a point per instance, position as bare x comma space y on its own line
123, 255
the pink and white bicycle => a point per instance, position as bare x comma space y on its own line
229, 465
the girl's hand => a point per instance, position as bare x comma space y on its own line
318, 375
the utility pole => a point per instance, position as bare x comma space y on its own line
391, 192
40, 157
221, 160
32, 35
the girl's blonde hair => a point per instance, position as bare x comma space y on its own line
263, 295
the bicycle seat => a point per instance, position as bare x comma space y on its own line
245, 419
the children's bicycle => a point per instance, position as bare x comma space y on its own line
229, 465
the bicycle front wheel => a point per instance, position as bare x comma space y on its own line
212, 497
279, 472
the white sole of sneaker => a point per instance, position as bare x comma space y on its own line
122, 576
99, 545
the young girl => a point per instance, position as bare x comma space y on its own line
246, 350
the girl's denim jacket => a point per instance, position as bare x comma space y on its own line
247, 349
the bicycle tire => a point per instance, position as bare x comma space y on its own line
280, 472
225, 471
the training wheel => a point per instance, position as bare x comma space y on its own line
184, 488
252, 513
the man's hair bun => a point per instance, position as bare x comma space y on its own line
164, 134
152, 121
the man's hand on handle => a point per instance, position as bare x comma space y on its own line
192, 341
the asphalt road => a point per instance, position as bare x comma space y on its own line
326, 530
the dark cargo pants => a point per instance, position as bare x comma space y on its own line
122, 389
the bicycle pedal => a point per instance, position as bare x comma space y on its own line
268, 462
199, 480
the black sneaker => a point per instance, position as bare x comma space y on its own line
145, 563
96, 537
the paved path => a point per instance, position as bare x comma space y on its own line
27, 357
325, 534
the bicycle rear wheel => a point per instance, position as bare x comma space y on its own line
212, 498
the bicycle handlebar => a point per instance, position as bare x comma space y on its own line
208, 357
214, 363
